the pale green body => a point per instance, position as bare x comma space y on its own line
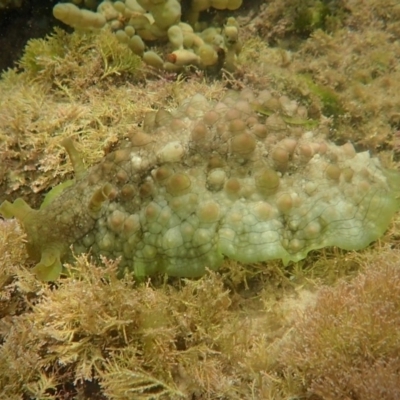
208, 182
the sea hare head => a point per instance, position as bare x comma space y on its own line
58, 223
39, 244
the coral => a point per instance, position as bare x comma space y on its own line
71, 15
203, 183
137, 22
346, 345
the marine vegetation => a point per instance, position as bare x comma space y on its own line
203, 234
347, 342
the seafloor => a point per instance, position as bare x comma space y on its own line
322, 328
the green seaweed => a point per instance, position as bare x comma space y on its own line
310, 15
331, 104
295, 121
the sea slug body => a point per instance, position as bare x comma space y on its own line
207, 181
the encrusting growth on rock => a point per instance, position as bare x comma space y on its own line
200, 184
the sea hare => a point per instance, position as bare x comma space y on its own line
207, 181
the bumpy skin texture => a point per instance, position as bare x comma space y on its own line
208, 181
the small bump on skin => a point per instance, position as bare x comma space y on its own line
244, 106
172, 239
211, 117
296, 245
131, 225
138, 139
252, 121
149, 252
289, 144
162, 174
310, 188
199, 133
237, 126
165, 216
216, 179
315, 147
106, 243
280, 157
177, 125
333, 172
171, 152
232, 115
305, 152
120, 156
264, 210
152, 211
115, 221
243, 144
232, 187
122, 176
88, 240
94, 177
147, 189
149, 121
364, 186
127, 192
259, 130
187, 231
347, 174
107, 167
285, 203
215, 162
267, 182
200, 237
178, 184
312, 230
162, 117
209, 212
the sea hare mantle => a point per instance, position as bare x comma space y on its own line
207, 181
